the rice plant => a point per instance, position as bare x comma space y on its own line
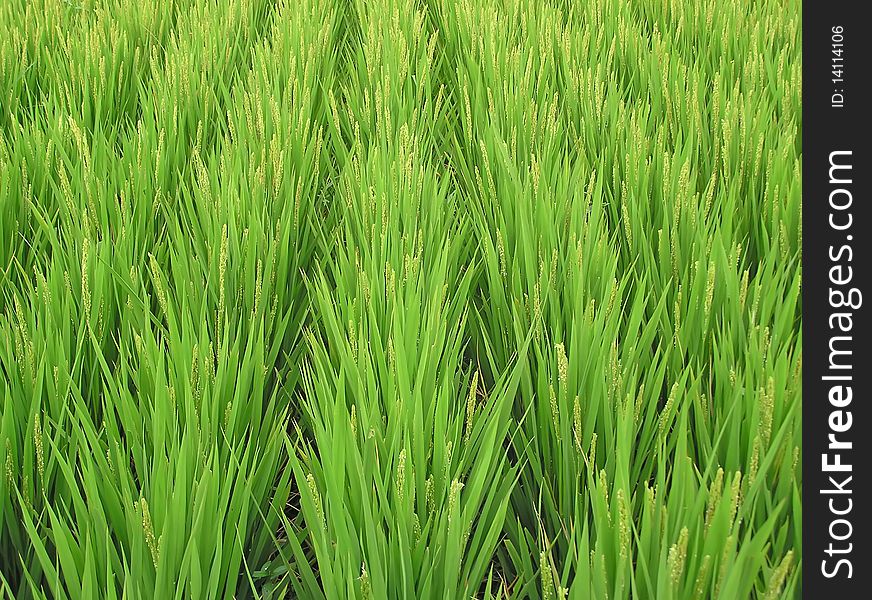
400, 299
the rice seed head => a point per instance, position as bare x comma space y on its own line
767, 409
676, 312
467, 113
86, 292
547, 576
555, 414
764, 343
43, 285
365, 591
535, 173
228, 410
28, 494
699, 586
453, 500
195, 373
650, 499
148, 530
392, 359
10, 466
352, 340
623, 523
449, 447
755, 305
470, 406
779, 575
754, 462
37, 440
576, 424
562, 365
677, 557
501, 253
709, 290
725, 564
715, 492
158, 284
390, 280
416, 527
735, 496
667, 410
316, 499
401, 475
258, 288
428, 494
603, 485
222, 270
628, 230
613, 296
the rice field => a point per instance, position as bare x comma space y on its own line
400, 299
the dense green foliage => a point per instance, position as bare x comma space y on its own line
400, 299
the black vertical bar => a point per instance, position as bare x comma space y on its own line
836, 233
